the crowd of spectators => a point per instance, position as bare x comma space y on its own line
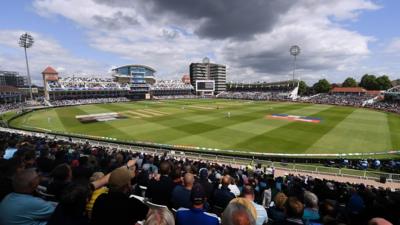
45, 180
331, 99
170, 85
393, 107
272, 96
191, 96
88, 101
338, 99
86, 83
11, 106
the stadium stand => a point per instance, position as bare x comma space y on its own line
284, 90
171, 89
91, 87
338, 99
58, 182
88, 101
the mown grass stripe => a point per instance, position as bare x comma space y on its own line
394, 128
297, 137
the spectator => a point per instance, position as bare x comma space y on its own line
159, 216
159, 191
71, 209
196, 214
223, 195
356, 203
311, 213
20, 206
277, 212
115, 207
61, 177
262, 217
205, 182
294, 212
181, 195
7, 171
239, 211
89, 206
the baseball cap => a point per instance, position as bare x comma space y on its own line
197, 195
203, 173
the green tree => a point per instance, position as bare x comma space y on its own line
304, 89
369, 82
384, 82
349, 82
322, 86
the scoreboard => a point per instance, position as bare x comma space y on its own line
205, 85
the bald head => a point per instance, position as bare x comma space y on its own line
188, 180
379, 221
226, 180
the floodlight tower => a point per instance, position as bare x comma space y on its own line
26, 41
294, 51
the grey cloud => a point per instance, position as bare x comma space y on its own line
278, 62
116, 22
217, 19
170, 34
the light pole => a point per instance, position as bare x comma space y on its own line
26, 41
294, 51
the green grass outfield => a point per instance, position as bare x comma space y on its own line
204, 123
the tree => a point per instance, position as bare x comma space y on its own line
349, 82
322, 86
369, 82
303, 88
384, 82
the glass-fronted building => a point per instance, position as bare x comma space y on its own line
140, 77
137, 73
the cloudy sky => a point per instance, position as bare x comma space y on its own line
338, 38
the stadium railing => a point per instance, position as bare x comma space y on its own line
221, 159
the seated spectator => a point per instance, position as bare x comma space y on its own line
159, 191
181, 194
223, 195
159, 216
83, 171
277, 211
233, 187
328, 212
356, 203
239, 211
262, 217
205, 182
311, 213
7, 171
20, 206
61, 177
294, 212
115, 207
96, 193
196, 214
71, 208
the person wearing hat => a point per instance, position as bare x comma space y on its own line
196, 215
115, 207
205, 182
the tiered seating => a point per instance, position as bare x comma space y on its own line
165, 183
85, 83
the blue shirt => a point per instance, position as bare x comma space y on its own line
180, 197
194, 216
261, 214
24, 209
